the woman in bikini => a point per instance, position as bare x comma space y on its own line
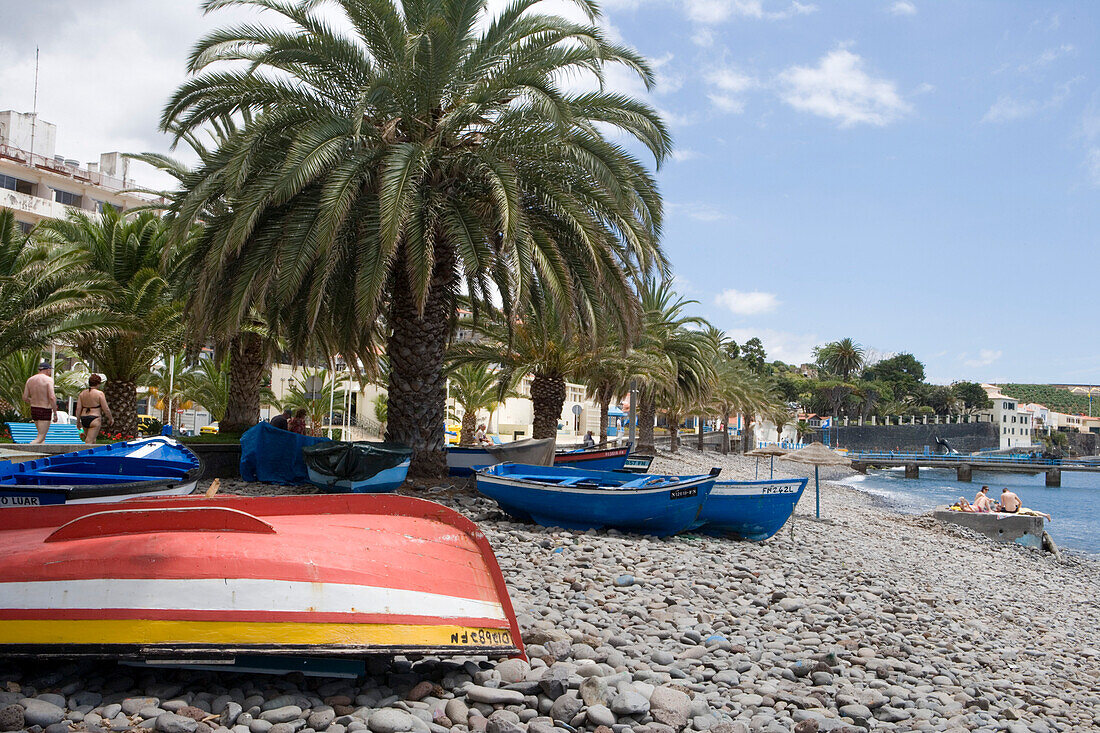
91, 405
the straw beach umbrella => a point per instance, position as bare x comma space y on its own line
817, 455
771, 451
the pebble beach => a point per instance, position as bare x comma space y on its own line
864, 620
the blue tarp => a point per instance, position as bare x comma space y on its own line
274, 455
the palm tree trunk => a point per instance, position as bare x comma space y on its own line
647, 411
122, 398
547, 397
604, 407
726, 434
674, 432
417, 386
246, 373
699, 436
747, 442
469, 425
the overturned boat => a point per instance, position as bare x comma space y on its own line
575, 498
361, 467
193, 578
463, 461
750, 510
158, 466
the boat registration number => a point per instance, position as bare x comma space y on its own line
683, 493
20, 501
483, 637
778, 489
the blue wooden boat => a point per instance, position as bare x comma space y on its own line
751, 510
594, 459
157, 466
638, 463
361, 467
575, 498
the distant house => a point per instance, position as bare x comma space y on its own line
1014, 422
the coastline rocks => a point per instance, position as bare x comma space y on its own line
40, 712
389, 720
671, 707
173, 723
491, 696
11, 718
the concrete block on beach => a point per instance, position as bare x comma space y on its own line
1023, 530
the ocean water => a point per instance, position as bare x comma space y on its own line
1075, 505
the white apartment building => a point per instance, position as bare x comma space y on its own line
38, 184
1013, 420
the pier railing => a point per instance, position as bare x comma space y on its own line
955, 458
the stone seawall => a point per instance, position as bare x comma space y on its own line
963, 437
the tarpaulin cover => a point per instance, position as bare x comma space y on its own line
274, 455
530, 452
354, 461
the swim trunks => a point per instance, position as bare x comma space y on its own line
38, 414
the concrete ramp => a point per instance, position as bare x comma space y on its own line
1023, 530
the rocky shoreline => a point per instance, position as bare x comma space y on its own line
865, 620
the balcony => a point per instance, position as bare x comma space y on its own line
38, 208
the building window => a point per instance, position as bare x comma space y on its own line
66, 198
16, 184
25, 227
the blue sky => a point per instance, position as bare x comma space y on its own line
920, 176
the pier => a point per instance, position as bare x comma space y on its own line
965, 465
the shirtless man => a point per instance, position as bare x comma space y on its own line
982, 502
39, 394
1010, 503
91, 405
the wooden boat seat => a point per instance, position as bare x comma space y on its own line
55, 478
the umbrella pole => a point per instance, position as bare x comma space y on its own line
817, 491
772, 468
758, 467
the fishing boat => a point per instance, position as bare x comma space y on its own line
334, 576
750, 510
638, 463
362, 467
463, 461
594, 459
575, 498
158, 466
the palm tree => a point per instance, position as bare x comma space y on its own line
843, 358
673, 358
606, 370
803, 429
543, 344
209, 385
475, 387
316, 404
432, 145
135, 255
46, 290
166, 380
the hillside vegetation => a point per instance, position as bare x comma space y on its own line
1056, 398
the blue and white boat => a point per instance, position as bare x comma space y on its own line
158, 466
361, 467
575, 498
750, 510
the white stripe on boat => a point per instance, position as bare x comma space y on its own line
238, 594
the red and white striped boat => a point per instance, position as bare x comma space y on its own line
197, 577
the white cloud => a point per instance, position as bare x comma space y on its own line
719, 11
985, 358
793, 348
838, 88
903, 7
696, 210
729, 83
1048, 57
1008, 108
1092, 163
681, 155
745, 303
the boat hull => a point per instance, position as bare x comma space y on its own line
330, 575
750, 510
463, 461
596, 459
384, 482
149, 467
665, 506
637, 463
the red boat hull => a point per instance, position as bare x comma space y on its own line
322, 575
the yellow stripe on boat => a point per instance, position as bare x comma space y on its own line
145, 631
